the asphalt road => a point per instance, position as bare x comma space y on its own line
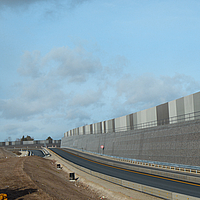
182, 187
36, 153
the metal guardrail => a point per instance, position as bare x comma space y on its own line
139, 187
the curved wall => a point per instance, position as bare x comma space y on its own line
167, 133
183, 109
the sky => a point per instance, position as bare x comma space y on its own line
68, 63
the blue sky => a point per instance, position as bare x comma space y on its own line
67, 63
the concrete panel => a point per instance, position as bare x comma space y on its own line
109, 126
180, 109
176, 196
129, 122
104, 127
94, 128
162, 112
196, 98
135, 121
189, 107
101, 127
141, 119
81, 130
121, 124
151, 117
91, 129
132, 185
172, 112
87, 129
98, 128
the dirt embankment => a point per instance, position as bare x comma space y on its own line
31, 178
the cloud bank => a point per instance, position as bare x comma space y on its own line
15, 4
67, 88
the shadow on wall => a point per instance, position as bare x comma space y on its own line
17, 193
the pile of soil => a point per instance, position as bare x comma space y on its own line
31, 178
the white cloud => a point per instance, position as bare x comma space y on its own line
27, 3
67, 88
30, 64
74, 64
147, 91
46, 87
89, 98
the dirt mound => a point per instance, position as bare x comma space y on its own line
33, 177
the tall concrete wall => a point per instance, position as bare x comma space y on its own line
174, 143
169, 132
183, 109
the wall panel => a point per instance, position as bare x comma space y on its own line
196, 98
185, 108
172, 112
151, 117
141, 119
121, 124
189, 107
180, 109
135, 121
87, 129
162, 112
81, 130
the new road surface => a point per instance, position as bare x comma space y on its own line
169, 184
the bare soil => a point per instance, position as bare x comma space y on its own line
34, 178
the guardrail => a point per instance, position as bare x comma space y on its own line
135, 186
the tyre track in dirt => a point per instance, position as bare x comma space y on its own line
35, 178
16, 183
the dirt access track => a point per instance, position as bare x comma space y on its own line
36, 178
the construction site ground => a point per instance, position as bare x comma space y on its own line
36, 178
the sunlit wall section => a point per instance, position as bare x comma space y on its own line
189, 107
96, 128
141, 119
80, 130
87, 129
99, 128
151, 117
110, 126
66, 134
76, 131
121, 124
179, 110
172, 112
